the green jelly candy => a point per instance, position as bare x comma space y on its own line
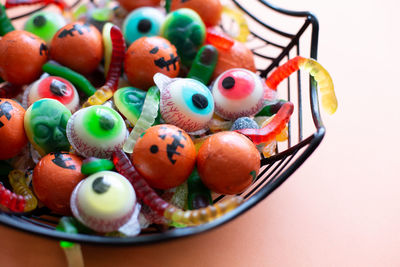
45, 24
184, 29
93, 165
204, 64
271, 107
199, 196
129, 101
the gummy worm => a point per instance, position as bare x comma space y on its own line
163, 208
14, 3
72, 251
8, 90
11, 200
238, 17
272, 129
17, 181
146, 119
5, 23
75, 78
218, 39
114, 71
319, 73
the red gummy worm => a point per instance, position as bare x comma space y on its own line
9, 90
117, 58
14, 3
218, 39
11, 200
269, 131
284, 71
142, 189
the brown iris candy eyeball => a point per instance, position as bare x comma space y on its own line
22, 55
147, 56
78, 46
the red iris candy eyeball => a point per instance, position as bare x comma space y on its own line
165, 156
238, 93
228, 162
55, 88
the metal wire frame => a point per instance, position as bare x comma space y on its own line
274, 171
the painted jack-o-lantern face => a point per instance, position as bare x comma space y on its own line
78, 46
54, 179
45, 124
147, 56
165, 156
12, 132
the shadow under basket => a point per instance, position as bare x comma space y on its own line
276, 35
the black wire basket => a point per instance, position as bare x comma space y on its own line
276, 35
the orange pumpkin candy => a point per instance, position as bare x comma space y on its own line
12, 131
147, 56
238, 56
209, 10
165, 156
228, 162
78, 46
132, 4
22, 55
54, 179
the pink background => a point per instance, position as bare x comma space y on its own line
341, 208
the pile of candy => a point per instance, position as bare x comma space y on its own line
128, 114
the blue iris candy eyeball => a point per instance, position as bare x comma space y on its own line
145, 21
185, 103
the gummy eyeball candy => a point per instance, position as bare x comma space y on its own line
12, 131
22, 55
185, 103
148, 56
55, 177
129, 101
78, 46
56, 88
238, 93
145, 21
164, 156
185, 29
103, 201
228, 162
45, 122
45, 24
96, 131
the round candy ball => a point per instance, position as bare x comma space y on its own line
228, 162
45, 24
45, 122
244, 123
132, 4
104, 201
185, 103
238, 93
54, 178
55, 88
209, 10
165, 156
12, 132
96, 131
148, 56
22, 55
145, 21
238, 56
78, 46
185, 29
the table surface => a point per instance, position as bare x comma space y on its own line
341, 208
